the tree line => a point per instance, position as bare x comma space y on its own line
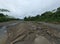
48, 16
4, 18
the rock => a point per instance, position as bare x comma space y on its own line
41, 40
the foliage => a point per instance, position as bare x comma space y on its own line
48, 16
4, 18
4, 10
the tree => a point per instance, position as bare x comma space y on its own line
25, 18
4, 10
58, 9
49, 16
2, 15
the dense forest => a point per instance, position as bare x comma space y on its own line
49, 16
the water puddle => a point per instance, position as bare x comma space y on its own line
3, 35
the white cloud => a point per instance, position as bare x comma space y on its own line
21, 8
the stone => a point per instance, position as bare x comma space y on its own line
41, 40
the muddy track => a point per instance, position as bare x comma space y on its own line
27, 32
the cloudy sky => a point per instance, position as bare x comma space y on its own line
22, 8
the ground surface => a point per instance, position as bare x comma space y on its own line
29, 33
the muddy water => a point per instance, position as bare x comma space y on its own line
3, 33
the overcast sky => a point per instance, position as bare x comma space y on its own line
22, 8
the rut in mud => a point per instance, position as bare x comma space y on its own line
32, 33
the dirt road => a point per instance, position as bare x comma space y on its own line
30, 33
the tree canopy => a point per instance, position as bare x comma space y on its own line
4, 10
48, 16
